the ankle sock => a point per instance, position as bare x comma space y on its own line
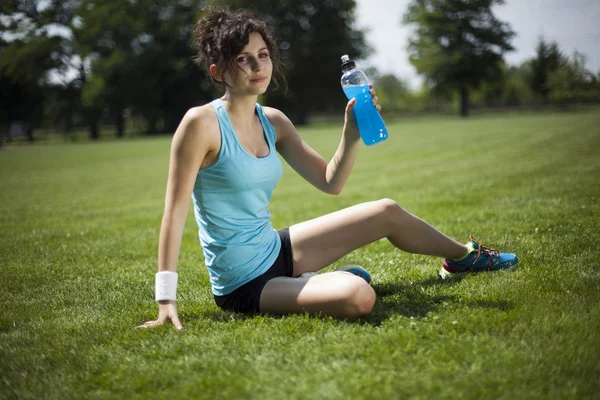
470, 248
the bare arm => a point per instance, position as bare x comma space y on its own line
340, 166
329, 177
187, 153
189, 148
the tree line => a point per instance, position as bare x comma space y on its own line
66, 64
551, 78
458, 47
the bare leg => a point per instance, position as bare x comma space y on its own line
320, 242
336, 294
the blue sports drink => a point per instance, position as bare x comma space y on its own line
356, 85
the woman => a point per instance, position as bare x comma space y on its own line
224, 155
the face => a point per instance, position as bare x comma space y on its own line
254, 68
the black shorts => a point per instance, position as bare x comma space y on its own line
246, 298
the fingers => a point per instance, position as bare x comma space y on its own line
176, 322
375, 98
349, 108
351, 104
149, 324
374, 101
152, 324
161, 320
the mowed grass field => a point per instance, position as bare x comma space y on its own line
78, 251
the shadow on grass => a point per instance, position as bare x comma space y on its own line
411, 299
408, 299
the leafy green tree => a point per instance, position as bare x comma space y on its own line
140, 60
312, 35
548, 60
179, 83
425, 98
63, 106
517, 90
19, 101
102, 36
512, 88
31, 50
393, 93
458, 44
571, 82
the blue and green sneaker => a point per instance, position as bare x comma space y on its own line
478, 259
356, 270
353, 269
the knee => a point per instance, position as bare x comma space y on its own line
388, 207
389, 210
360, 299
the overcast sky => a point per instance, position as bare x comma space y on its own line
573, 24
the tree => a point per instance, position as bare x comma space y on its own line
458, 44
571, 82
32, 48
312, 35
517, 90
490, 92
548, 60
393, 93
179, 83
63, 105
140, 60
102, 36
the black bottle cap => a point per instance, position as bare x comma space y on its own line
347, 63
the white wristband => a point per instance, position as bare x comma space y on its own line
166, 285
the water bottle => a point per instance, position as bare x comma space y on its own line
356, 85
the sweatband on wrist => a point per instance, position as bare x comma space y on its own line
166, 285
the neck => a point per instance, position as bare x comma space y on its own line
240, 107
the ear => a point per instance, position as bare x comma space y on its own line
214, 72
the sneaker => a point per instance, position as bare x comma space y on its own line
353, 269
478, 259
307, 274
356, 270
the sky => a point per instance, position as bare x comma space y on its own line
573, 24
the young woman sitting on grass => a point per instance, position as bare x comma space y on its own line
224, 156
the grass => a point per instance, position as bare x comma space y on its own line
78, 243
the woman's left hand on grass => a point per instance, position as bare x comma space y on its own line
167, 311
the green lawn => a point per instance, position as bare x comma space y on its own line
78, 250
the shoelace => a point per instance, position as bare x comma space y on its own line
491, 253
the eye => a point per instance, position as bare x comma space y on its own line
242, 59
264, 55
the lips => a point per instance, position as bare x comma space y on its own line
258, 80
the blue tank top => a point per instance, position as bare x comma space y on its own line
230, 205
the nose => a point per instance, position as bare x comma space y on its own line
255, 65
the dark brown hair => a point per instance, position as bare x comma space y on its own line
221, 35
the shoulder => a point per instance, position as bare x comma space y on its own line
282, 124
274, 115
200, 117
199, 124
